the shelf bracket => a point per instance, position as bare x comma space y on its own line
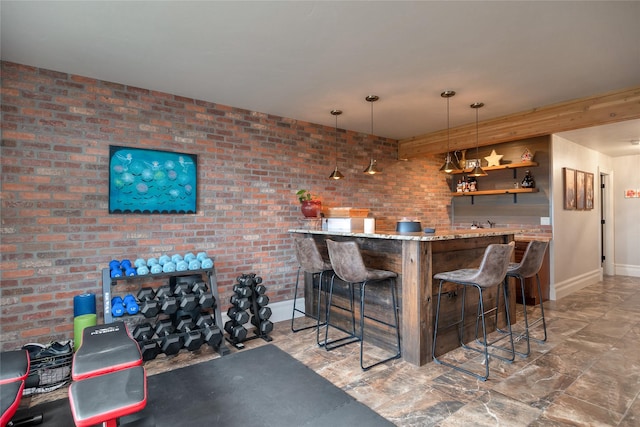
515, 197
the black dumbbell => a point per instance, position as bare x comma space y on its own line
211, 334
264, 313
186, 300
240, 317
240, 303
264, 326
242, 291
204, 299
149, 348
148, 305
143, 331
261, 289
262, 300
237, 333
191, 337
167, 302
170, 342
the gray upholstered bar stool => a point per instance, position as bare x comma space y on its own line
309, 261
528, 267
349, 267
490, 274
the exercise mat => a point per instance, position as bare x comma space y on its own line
79, 323
257, 387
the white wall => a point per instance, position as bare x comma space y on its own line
626, 216
575, 249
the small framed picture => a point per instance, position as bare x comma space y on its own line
580, 193
588, 188
472, 163
569, 189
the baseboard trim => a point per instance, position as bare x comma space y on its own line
627, 270
280, 310
569, 286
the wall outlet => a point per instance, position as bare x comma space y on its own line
545, 220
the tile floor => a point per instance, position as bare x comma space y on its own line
586, 374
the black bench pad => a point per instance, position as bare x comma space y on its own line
106, 397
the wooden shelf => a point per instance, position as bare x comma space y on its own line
500, 167
491, 192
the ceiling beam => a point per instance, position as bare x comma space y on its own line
581, 113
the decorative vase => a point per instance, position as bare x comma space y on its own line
311, 208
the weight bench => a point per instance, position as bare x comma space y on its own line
109, 381
14, 369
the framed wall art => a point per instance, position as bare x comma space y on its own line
580, 193
145, 181
588, 188
569, 188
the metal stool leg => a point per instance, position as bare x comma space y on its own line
395, 326
352, 337
297, 310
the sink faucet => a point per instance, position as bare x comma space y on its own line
491, 224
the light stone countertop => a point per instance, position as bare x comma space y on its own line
440, 234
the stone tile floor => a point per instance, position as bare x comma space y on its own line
586, 374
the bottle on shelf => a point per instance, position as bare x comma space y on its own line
528, 181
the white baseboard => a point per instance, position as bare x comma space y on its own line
280, 310
569, 286
627, 270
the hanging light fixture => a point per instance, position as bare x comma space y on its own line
449, 165
477, 171
372, 169
336, 173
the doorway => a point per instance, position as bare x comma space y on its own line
606, 225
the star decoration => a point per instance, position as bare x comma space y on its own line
493, 159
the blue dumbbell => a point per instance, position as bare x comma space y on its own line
130, 304
116, 272
130, 271
114, 264
125, 263
117, 307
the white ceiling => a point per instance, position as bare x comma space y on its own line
301, 59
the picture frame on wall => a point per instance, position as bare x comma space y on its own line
569, 188
588, 188
143, 181
580, 191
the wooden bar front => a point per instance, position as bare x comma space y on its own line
416, 257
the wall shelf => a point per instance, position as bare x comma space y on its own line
514, 191
500, 167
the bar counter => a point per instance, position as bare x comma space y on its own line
416, 257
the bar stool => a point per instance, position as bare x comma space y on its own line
528, 267
349, 267
491, 274
309, 261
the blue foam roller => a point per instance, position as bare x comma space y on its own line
84, 304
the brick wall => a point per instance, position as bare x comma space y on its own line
57, 233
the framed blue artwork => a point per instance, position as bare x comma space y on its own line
152, 181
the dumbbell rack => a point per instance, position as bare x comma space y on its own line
254, 308
108, 282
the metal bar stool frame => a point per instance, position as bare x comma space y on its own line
492, 273
309, 261
528, 267
349, 267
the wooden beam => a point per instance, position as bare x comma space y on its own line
581, 113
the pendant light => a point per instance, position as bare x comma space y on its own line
477, 171
336, 173
449, 164
372, 169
